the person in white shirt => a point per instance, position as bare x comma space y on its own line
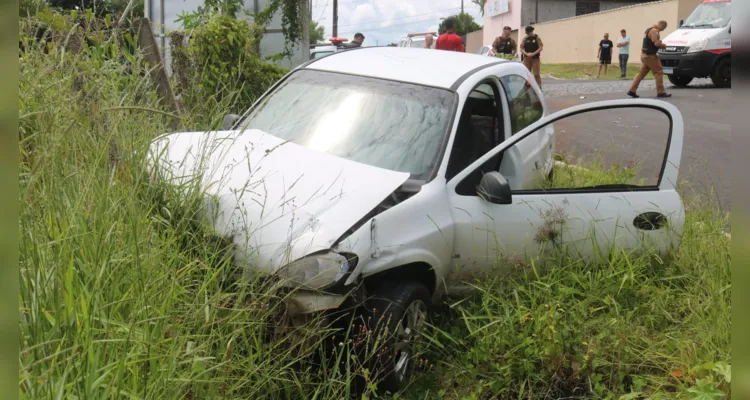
624, 44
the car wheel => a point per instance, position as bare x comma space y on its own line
722, 75
679, 81
400, 310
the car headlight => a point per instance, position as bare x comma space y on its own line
698, 46
319, 271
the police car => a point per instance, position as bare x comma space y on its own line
701, 47
323, 49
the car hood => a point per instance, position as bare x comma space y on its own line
276, 200
686, 37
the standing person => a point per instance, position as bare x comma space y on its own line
505, 44
624, 44
358, 40
531, 46
449, 40
428, 41
605, 54
650, 62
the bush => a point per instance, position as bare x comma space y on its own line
220, 65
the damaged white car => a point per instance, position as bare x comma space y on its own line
397, 173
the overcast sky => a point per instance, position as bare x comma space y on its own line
385, 21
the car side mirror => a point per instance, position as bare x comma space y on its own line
229, 121
682, 21
494, 188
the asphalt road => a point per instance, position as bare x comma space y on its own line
641, 135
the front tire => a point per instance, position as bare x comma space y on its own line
400, 311
722, 75
679, 81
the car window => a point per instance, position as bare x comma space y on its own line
612, 149
524, 104
479, 128
391, 125
319, 54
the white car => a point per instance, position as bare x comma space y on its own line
320, 51
391, 174
485, 50
417, 40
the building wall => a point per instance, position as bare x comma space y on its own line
474, 41
493, 26
550, 10
576, 40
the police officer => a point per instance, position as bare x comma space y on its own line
650, 62
505, 44
531, 46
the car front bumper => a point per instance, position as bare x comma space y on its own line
694, 65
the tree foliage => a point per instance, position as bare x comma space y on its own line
464, 24
317, 32
481, 4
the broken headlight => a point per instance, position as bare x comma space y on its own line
318, 271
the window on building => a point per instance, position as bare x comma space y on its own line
586, 7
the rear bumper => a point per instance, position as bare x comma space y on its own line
694, 65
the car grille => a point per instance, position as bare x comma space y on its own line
674, 50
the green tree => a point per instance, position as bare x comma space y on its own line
317, 32
481, 4
392, 44
464, 24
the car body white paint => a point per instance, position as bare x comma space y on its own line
435, 227
421, 66
267, 198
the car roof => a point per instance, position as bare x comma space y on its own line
421, 66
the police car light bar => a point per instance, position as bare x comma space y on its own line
337, 40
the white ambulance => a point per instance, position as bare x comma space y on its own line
701, 47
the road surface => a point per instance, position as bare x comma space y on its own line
705, 110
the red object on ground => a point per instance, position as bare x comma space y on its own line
450, 42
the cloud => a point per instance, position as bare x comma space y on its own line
386, 21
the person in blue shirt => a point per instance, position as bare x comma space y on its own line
623, 43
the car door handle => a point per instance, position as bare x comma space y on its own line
650, 221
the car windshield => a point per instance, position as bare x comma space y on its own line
709, 15
386, 124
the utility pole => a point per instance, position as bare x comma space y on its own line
336, 18
462, 6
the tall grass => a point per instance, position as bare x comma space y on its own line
122, 293
125, 295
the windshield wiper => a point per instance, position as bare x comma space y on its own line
699, 26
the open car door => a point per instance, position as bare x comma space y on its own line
498, 225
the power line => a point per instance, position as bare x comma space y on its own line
322, 12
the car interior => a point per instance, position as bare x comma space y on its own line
480, 129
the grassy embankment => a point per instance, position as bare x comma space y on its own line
123, 296
585, 71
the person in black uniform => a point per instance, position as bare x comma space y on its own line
505, 44
650, 61
605, 54
531, 47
